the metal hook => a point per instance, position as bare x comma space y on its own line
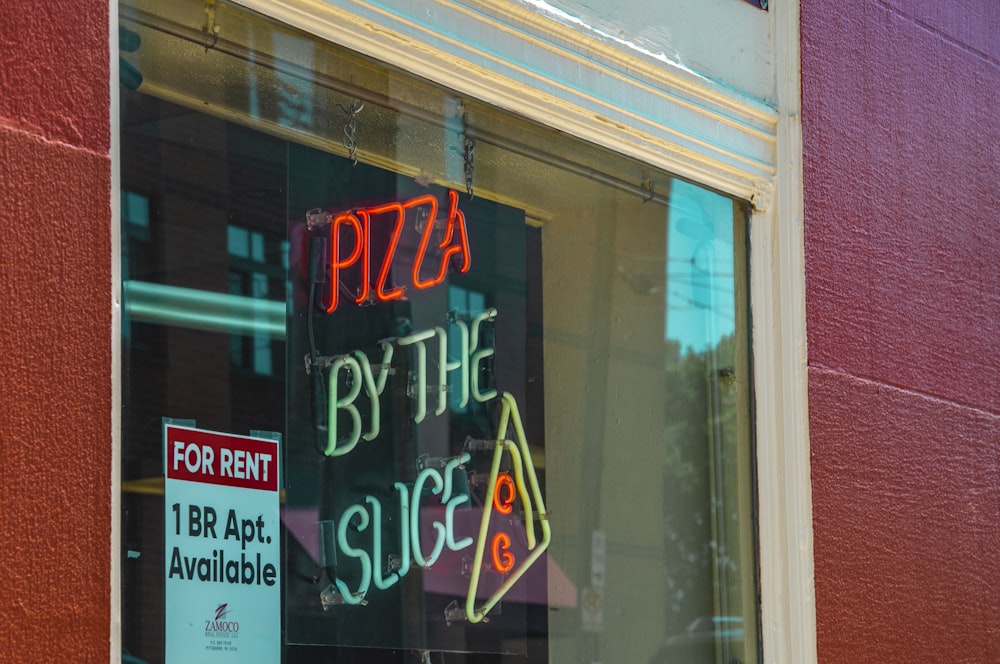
648, 184
211, 28
350, 141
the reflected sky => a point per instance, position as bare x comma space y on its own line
699, 269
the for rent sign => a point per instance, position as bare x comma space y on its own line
222, 547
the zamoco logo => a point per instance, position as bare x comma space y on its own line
218, 624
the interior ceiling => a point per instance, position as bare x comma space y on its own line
300, 89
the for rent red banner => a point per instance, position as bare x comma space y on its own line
217, 458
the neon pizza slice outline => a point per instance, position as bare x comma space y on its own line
523, 469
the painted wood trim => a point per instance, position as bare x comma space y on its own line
784, 490
115, 537
657, 112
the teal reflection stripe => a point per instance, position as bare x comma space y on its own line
203, 310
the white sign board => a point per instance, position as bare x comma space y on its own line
222, 562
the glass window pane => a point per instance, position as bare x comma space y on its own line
239, 241
510, 370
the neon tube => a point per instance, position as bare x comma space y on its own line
479, 355
456, 215
452, 502
335, 262
503, 559
418, 339
366, 258
203, 310
375, 387
504, 506
442, 402
387, 350
425, 240
517, 464
463, 330
484, 524
449, 524
364, 373
360, 554
360, 220
369, 382
404, 527
449, 469
381, 582
347, 403
397, 292
418, 486
509, 413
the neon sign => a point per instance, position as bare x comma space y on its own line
356, 518
402, 349
524, 469
361, 374
502, 490
358, 222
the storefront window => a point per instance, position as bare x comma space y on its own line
408, 378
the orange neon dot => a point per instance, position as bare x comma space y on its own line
503, 559
505, 484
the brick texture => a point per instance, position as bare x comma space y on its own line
901, 144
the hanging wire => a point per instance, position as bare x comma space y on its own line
532, 151
351, 128
468, 152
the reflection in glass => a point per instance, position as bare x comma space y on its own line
631, 350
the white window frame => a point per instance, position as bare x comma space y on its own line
115, 620
755, 154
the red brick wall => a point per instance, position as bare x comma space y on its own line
901, 122
55, 338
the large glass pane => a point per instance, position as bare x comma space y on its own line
509, 371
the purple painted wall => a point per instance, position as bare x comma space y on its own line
55, 338
901, 130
